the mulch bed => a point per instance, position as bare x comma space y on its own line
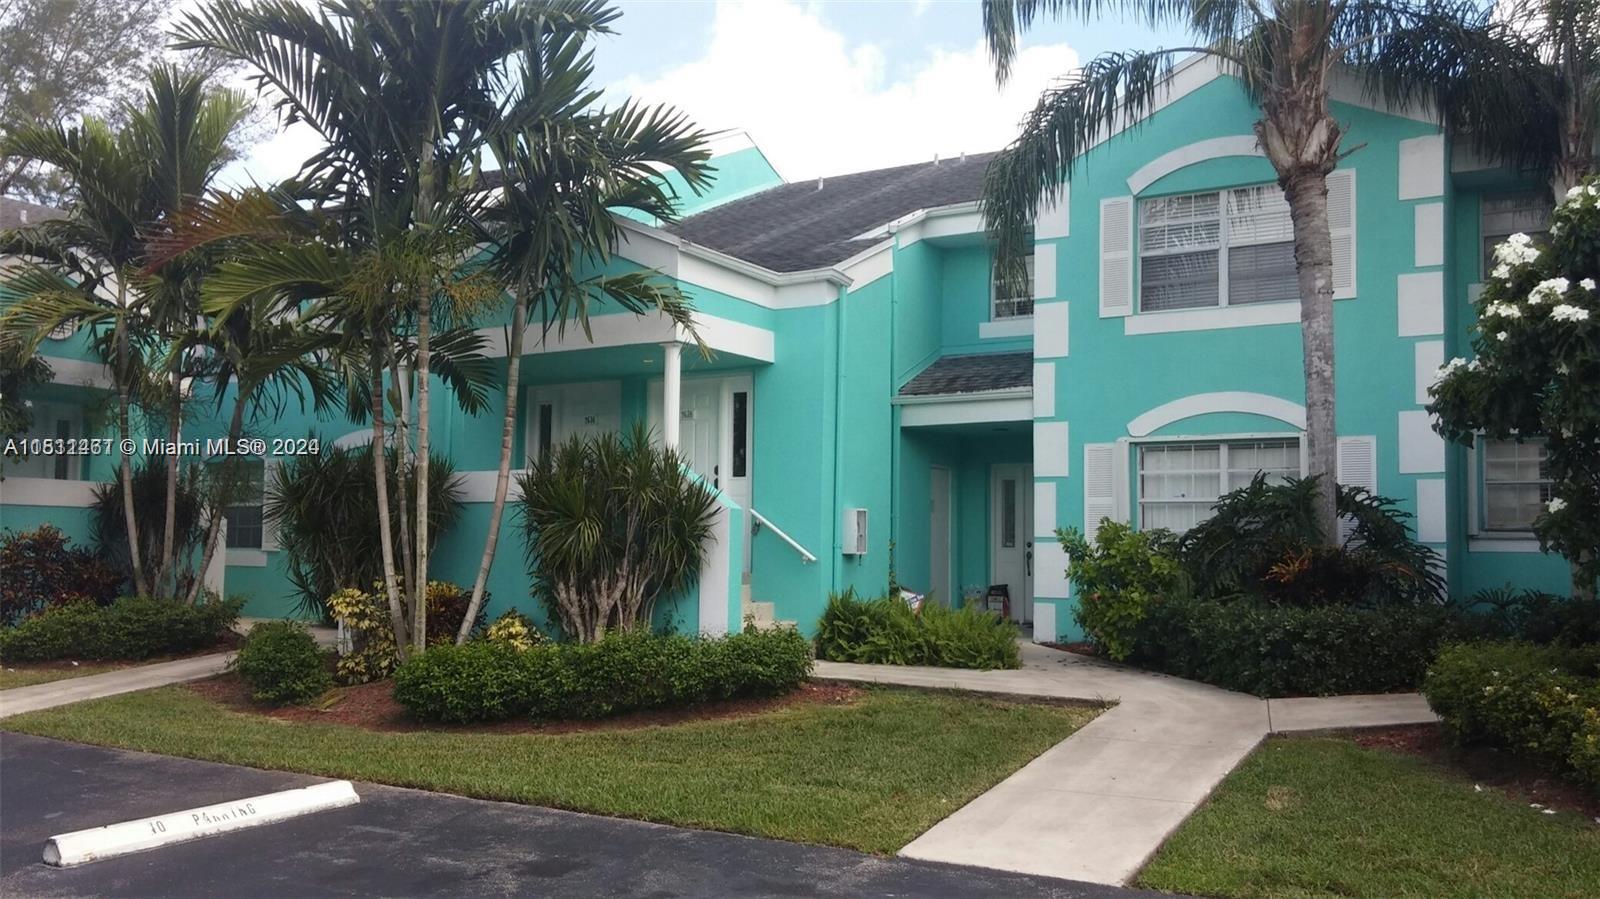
373, 707
1486, 766
1082, 648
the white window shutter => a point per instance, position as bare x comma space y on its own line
1342, 231
1116, 257
269, 528
1357, 461
1099, 486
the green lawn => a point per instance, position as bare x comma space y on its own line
871, 775
1325, 817
27, 677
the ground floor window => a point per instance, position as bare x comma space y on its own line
1516, 483
1180, 482
53, 426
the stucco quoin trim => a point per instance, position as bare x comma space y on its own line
1189, 154
1223, 401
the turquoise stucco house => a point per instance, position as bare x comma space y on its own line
873, 408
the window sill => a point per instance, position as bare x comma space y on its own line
1016, 326
1213, 318
1507, 542
239, 557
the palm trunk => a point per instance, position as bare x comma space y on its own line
419, 617
130, 518
397, 618
169, 528
502, 481
1582, 583
1307, 193
403, 460
214, 526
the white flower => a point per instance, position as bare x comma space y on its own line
1575, 192
1503, 310
1548, 289
1518, 249
1501, 271
1501, 336
1587, 284
1556, 505
1569, 313
1474, 365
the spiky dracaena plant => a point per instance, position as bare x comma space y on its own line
612, 524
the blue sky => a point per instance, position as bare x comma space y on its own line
823, 87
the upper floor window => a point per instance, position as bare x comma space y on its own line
1516, 483
1180, 482
1222, 248
53, 427
1004, 306
1503, 215
244, 513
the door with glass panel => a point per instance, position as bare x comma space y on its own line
1011, 535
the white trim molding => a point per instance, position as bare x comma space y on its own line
1018, 326
624, 329
966, 408
1422, 167
50, 492
244, 557
1283, 410
79, 372
478, 486
1214, 318
1189, 154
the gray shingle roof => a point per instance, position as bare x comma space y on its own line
800, 226
16, 213
972, 374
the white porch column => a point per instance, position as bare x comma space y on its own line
671, 391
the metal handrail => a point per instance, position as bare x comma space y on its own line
762, 520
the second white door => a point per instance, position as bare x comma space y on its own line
1011, 535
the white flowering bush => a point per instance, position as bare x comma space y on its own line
1535, 371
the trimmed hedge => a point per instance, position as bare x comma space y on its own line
1541, 701
131, 628
887, 631
282, 664
1272, 650
624, 672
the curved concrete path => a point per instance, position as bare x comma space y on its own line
123, 680
1097, 805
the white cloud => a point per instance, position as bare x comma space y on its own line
818, 104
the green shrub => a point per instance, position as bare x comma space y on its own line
1272, 650
40, 570
110, 524
623, 672
1541, 701
282, 664
1115, 578
1505, 613
131, 628
887, 631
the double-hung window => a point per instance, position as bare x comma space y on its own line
1222, 248
1516, 483
1004, 304
244, 513
1180, 482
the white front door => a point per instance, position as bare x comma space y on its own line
1011, 540
715, 430
939, 560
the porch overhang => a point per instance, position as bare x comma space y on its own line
720, 335
980, 407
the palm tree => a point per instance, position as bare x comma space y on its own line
399, 92
1284, 52
87, 269
1522, 88
565, 169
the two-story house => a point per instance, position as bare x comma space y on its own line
874, 409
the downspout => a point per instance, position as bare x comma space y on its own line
894, 411
838, 440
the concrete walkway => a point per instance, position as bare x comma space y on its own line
1097, 805
122, 680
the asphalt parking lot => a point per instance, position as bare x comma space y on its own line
410, 843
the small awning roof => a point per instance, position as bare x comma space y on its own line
978, 373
